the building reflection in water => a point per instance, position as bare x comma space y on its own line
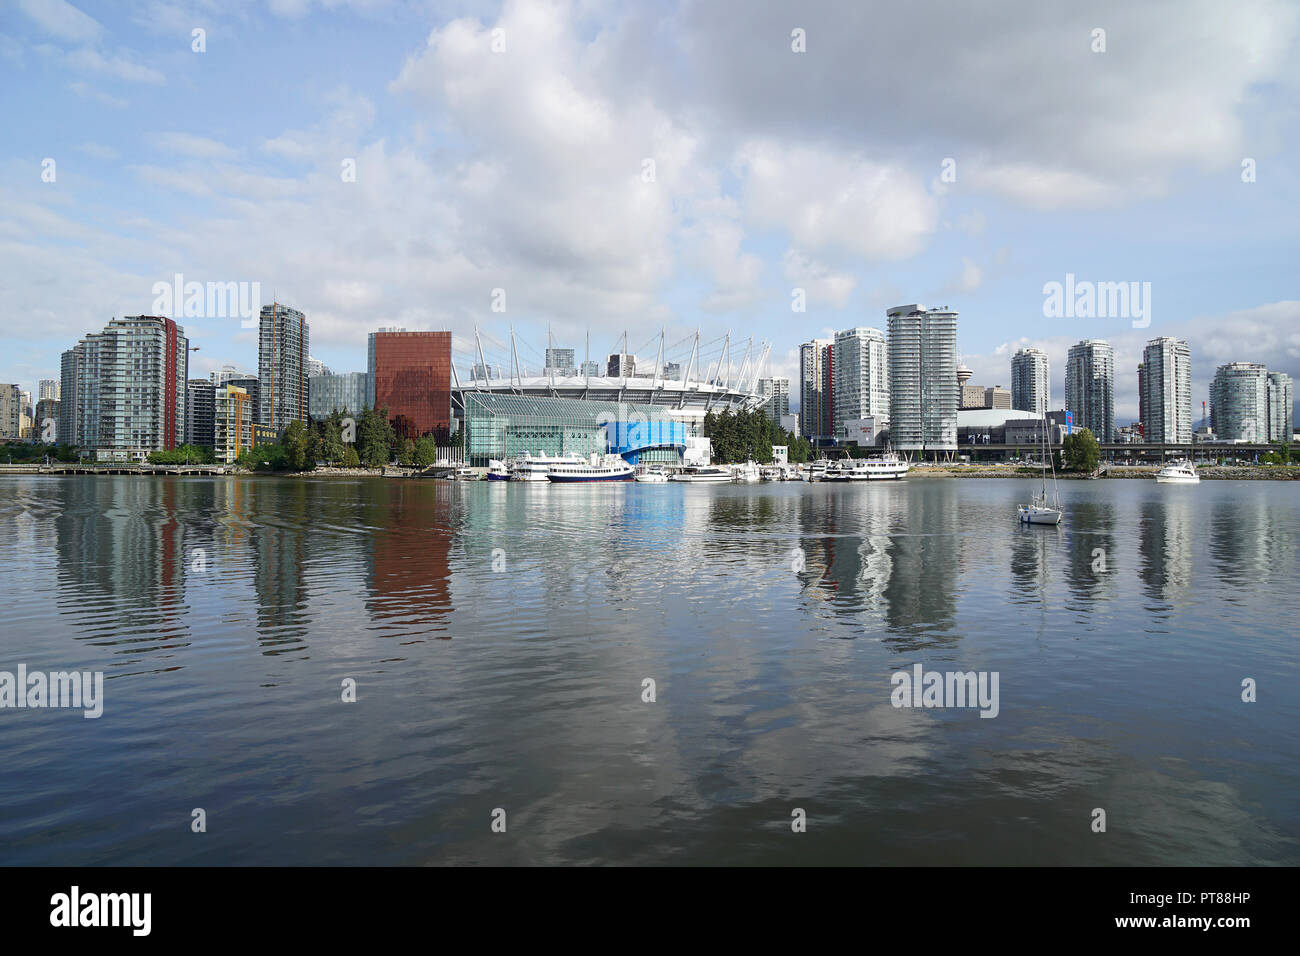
886, 556
121, 560
1244, 543
409, 587
284, 511
1165, 546
1092, 527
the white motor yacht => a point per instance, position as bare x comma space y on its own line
710, 474
651, 474
1178, 473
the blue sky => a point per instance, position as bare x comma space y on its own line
521, 168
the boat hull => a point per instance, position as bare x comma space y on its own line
1040, 516
584, 479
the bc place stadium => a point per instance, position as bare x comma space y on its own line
647, 404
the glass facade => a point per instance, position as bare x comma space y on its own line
1165, 384
1281, 396
1239, 402
861, 377
506, 426
410, 375
1090, 387
1031, 381
923, 390
284, 339
128, 388
345, 393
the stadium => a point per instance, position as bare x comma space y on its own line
645, 404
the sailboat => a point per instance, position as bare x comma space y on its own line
1037, 511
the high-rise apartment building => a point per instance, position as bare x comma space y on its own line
49, 388
816, 400
125, 388
1031, 381
1281, 407
409, 373
559, 363
47, 420
923, 387
11, 415
620, 365
1090, 387
200, 412
282, 367
777, 393
860, 377
232, 432
1165, 381
1239, 402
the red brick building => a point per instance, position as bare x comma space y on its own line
410, 375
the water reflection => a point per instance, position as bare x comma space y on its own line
409, 560
539, 695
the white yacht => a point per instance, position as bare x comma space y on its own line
1178, 473
651, 474
1038, 511
537, 467
884, 467
597, 468
746, 472
703, 474
498, 470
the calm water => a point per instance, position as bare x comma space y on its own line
521, 688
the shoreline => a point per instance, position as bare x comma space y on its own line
1137, 472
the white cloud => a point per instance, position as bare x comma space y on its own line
186, 144
62, 19
838, 203
117, 66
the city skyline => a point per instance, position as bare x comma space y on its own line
324, 195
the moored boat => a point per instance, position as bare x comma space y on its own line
597, 468
710, 474
1178, 473
529, 467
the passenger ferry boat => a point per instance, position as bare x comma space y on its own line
886, 467
703, 473
598, 468
1178, 473
537, 467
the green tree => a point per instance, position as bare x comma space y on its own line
1081, 451
297, 445
350, 459
374, 438
426, 451
406, 452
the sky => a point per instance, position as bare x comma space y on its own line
618, 167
